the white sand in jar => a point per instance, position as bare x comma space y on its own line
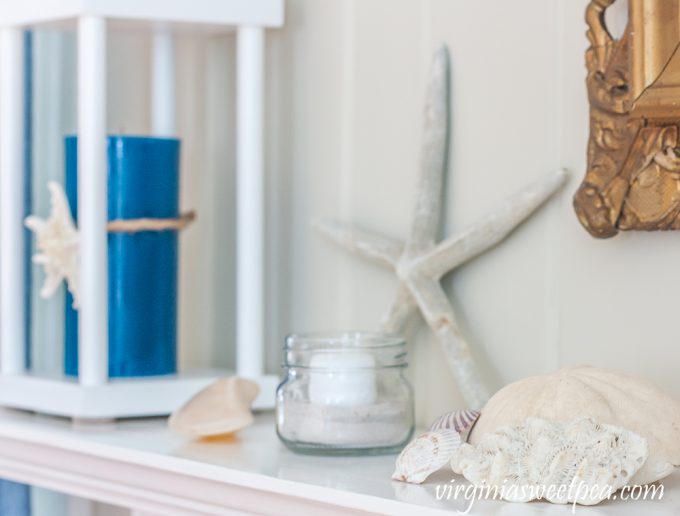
379, 424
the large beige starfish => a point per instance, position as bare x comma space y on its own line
57, 241
420, 263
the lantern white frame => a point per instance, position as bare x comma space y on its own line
93, 394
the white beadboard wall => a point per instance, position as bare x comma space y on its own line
345, 90
348, 105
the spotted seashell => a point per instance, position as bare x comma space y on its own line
426, 454
459, 420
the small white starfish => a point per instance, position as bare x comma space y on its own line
58, 243
420, 263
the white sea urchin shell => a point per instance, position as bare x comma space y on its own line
607, 396
578, 461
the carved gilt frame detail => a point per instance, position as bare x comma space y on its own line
632, 180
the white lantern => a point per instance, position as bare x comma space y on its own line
93, 394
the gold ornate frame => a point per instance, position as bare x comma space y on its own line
633, 176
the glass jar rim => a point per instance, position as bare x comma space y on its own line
343, 340
382, 350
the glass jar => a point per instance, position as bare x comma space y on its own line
344, 394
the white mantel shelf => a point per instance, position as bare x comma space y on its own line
141, 465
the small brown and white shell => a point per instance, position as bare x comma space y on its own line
459, 420
220, 408
426, 454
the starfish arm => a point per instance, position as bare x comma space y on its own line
51, 284
439, 315
402, 308
40, 259
480, 237
428, 193
366, 244
72, 285
60, 206
35, 224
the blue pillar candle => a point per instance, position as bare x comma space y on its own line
143, 182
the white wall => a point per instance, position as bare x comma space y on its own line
346, 96
355, 88
617, 296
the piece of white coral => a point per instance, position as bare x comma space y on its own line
562, 462
58, 244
